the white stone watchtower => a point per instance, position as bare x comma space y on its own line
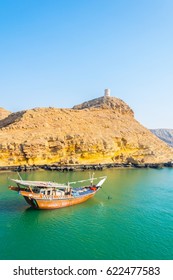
107, 92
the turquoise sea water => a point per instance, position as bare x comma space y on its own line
137, 223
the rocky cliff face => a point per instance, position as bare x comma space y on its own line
102, 130
165, 135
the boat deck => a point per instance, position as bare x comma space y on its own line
81, 191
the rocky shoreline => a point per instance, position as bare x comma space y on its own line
83, 167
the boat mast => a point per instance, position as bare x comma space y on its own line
91, 178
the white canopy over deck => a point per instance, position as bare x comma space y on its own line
45, 184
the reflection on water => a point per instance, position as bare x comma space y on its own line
123, 227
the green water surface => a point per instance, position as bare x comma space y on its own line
136, 223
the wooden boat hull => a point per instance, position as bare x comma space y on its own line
54, 203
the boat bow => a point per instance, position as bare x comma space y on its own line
101, 182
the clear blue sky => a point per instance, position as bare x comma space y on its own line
62, 52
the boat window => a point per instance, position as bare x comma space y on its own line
36, 190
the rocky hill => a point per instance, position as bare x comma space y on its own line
102, 130
4, 113
165, 135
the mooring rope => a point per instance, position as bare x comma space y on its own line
108, 196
